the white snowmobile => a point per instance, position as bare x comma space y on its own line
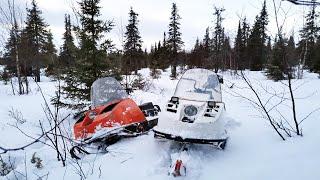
193, 114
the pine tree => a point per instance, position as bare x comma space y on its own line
10, 52
245, 38
309, 35
317, 57
226, 54
36, 35
196, 57
241, 45
217, 40
238, 45
163, 54
206, 48
155, 60
91, 61
277, 66
257, 39
68, 50
174, 41
292, 55
132, 47
50, 54
268, 50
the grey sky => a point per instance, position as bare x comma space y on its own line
154, 16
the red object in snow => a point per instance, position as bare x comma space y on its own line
177, 168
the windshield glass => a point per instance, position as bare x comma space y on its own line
105, 90
198, 84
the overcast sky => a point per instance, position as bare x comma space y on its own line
154, 16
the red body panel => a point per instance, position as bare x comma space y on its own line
125, 112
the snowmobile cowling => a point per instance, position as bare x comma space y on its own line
115, 114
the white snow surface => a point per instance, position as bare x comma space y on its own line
253, 151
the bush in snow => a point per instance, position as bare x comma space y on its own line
17, 115
5, 168
5, 77
139, 82
155, 74
37, 161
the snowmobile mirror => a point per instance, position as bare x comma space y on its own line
211, 104
220, 78
174, 99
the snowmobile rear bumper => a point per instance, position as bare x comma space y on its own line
162, 135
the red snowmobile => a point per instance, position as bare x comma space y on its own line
112, 116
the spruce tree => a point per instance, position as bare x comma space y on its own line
292, 55
50, 54
257, 39
10, 52
132, 47
226, 53
206, 48
68, 50
91, 61
276, 69
283, 58
217, 40
174, 40
309, 35
244, 59
196, 56
238, 45
36, 35
163, 55
317, 57
268, 50
155, 60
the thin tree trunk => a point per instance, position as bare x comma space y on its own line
12, 87
262, 106
18, 67
26, 77
293, 106
301, 66
37, 75
15, 26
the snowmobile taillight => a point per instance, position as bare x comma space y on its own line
92, 115
211, 104
174, 100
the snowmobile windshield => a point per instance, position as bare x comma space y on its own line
106, 90
197, 84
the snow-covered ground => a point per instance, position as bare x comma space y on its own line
253, 151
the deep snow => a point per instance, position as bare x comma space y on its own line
253, 151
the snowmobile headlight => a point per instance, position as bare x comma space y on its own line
92, 114
190, 110
174, 99
211, 104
